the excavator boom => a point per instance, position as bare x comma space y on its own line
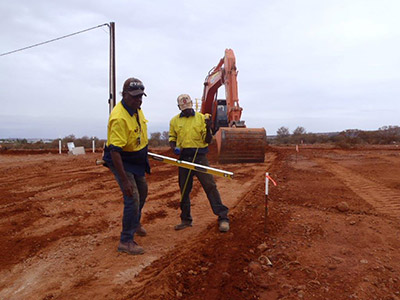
235, 142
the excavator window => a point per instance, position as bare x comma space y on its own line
222, 116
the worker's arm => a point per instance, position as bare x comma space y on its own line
126, 184
172, 144
172, 137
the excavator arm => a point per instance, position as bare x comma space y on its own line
235, 142
228, 110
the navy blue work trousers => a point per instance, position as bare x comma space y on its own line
209, 186
132, 205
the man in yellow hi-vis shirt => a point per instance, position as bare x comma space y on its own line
189, 136
126, 156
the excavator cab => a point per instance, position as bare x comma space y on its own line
221, 118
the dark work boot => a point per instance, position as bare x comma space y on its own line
183, 225
130, 247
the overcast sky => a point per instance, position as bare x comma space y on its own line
325, 65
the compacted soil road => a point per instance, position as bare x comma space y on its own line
332, 231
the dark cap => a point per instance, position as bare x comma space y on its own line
134, 87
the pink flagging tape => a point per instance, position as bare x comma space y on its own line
273, 181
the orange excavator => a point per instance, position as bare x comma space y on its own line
235, 142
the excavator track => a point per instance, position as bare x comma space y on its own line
241, 145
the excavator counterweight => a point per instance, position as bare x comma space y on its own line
235, 142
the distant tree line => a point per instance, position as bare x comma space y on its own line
383, 136
84, 141
158, 139
351, 137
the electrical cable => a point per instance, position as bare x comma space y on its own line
53, 40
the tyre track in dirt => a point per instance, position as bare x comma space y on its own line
383, 199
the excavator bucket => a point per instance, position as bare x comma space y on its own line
241, 145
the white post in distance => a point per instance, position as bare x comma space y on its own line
59, 145
93, 144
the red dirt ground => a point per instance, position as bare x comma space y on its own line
332, 230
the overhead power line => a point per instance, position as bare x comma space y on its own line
53, 40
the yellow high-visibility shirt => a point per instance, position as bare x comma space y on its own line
124, 131
188, 132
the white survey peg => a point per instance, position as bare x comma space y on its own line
267, 178
266, 202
